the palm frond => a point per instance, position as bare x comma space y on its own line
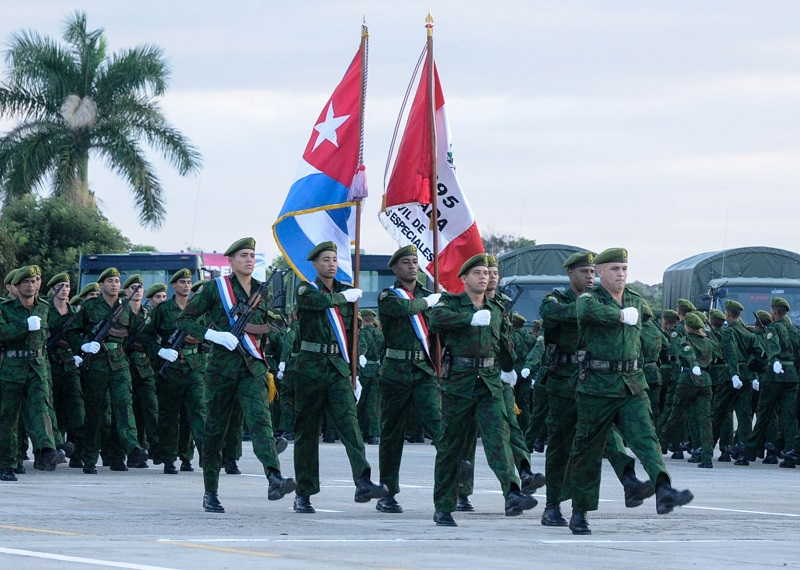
19, 102
88, 48
28, 154
137, 71
170, 143
41, 66
132, 107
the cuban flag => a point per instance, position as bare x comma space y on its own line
320, 205
406, 211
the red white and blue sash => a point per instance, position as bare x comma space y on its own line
228, 297
417, 322
337, 324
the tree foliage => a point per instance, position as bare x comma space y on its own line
501, 243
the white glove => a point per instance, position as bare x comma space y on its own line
34, 323
777, 367
280, 374
352, 295
432, 299
168, 354
281, 367
525, 372
756, 385
481, 318
78, 360
357, 390
696, 370
737, 382
509, 378
362, 361
630, 315
223, 338
91, 347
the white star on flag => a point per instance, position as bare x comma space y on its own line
327, 128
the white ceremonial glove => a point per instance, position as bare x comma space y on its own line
223, 338
777, 367
279, 375
91, 347
357, 390
696, 370
362, 361
630, 315
509, 378
352, 295
737, 382
168, 354
281, 367
78, 360
525, 372
481, 318
756, 385
34, 323
432, 299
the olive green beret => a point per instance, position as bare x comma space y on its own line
693, 321
612, 255
181, 274
153, 289
734, 306
132, 280
669, 314
62, 277
110, 272
477, 260
517, 319
196, 286
89, 288
76, 300
716, 314
402, 252
579, 259
491, 260
26, 273
781, 303
9, 277
764, 317
537, 323
368, 313
239, 244
324, 246
686, 304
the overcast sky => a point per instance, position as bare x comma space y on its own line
669, 129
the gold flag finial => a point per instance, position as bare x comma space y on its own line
364, 30
429, 23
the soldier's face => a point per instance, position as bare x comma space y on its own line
92, 295
777, 314
110, 286
326, 264
406, 268
494, 279
613, 276
27, 287
182, 287
158, 298
63, 292
581, 278
38, 282
135, 292
476, 279
243, 261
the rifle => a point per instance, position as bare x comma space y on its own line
243, 311
175, 341
100, 331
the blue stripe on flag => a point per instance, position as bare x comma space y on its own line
297, 245
314, 191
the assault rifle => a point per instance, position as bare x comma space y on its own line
100, 331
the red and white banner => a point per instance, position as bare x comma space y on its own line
406, 212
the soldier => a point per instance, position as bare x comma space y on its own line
107, 376
290, 349
479, 360
180, 388
653, 342
155, 295
89, 291
322, 379
778, 384
371, 351
408, 375
143, 378
235, 372
67, 391
561, 337
739, 346
534, 369
693, 386
719, 379
669, 320
523, 391
24, 372
611, 391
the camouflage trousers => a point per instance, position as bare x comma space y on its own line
17, 392
693, 408
181, 394
777, 403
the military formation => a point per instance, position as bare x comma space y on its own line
121, 377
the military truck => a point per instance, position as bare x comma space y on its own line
750, 275
527, 274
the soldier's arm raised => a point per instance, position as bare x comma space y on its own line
442, 317
311, 299
554, 310
393, 306
589, 310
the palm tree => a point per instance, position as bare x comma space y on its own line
75, 101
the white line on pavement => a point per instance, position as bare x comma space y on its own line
655, 541
741, 511
79, 560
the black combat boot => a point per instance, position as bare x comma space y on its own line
552, 516
211, 503
366, 490
464, 505
636, 491
538, 446
388, 504
302, 504
169, 468
442, 518
517, 502
7, 475
668, 498
578, 523
529, 482
278, 486
186, 466
231, 468
89, 469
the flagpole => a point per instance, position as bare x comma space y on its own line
358, 200
437, 345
